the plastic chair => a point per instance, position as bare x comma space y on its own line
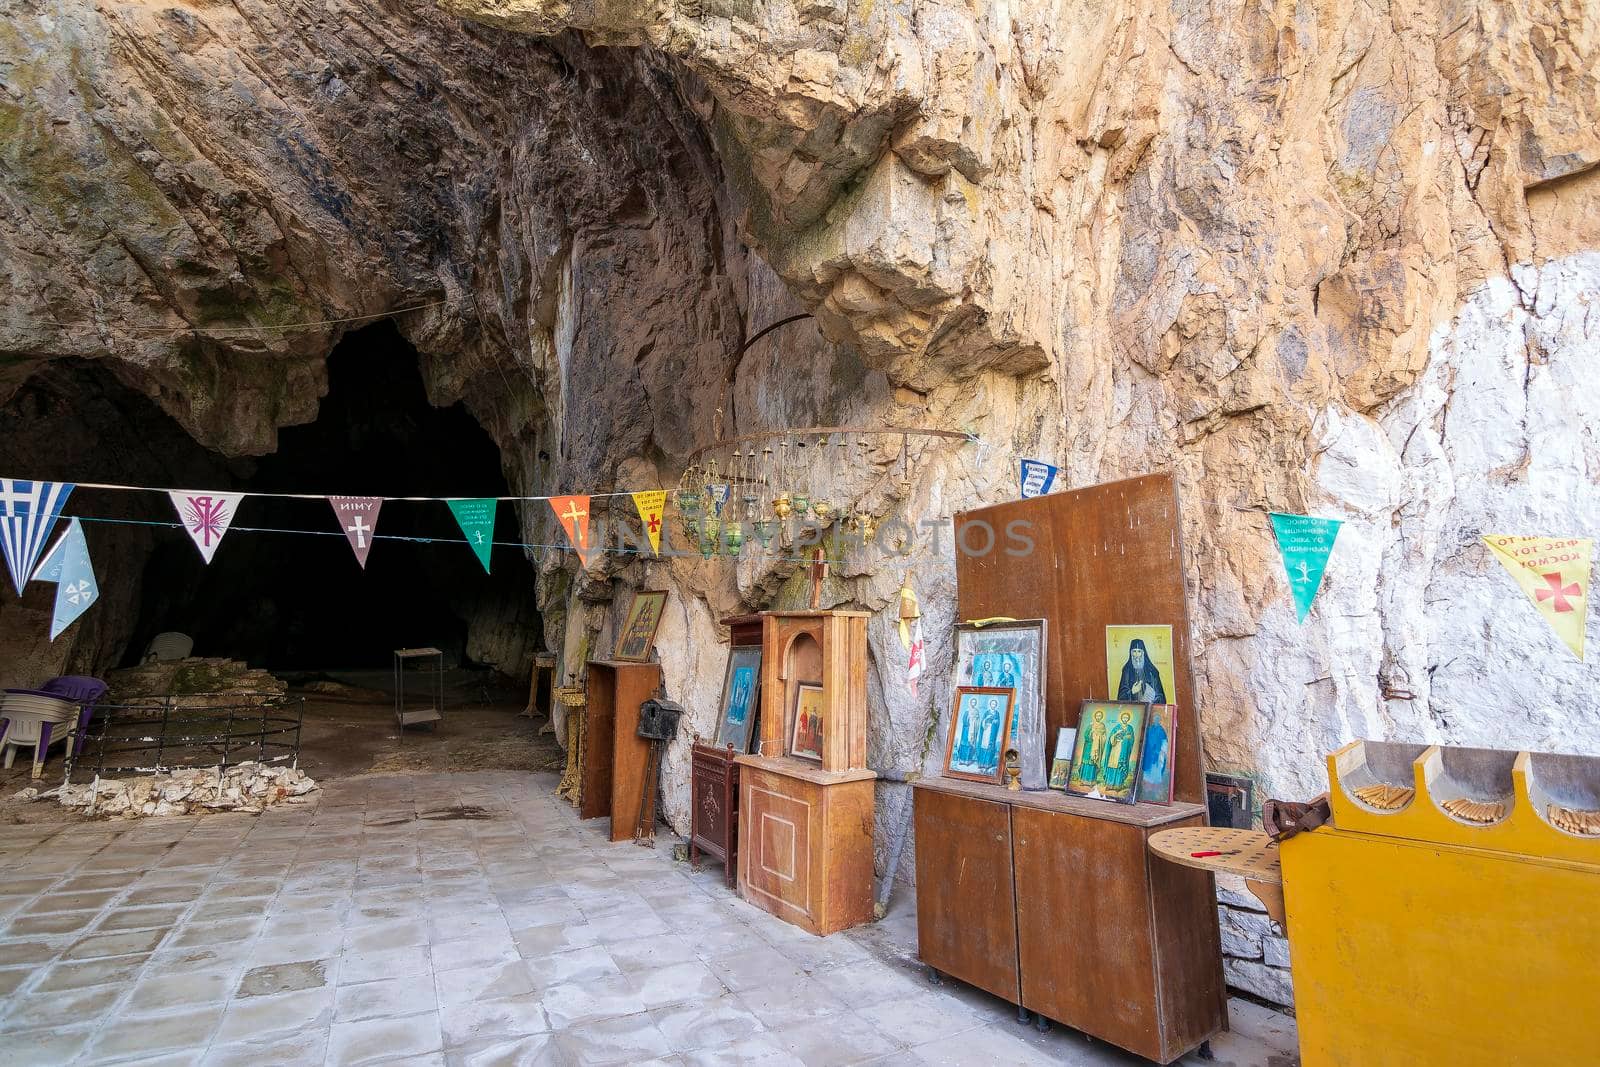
29, 717
82, 691
169, 646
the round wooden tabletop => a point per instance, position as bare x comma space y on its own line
1250, 853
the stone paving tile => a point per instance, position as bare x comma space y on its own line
384, 1040
44, 1048
572, 1003
630, 1039
307, 1047
125, 1038
193, 989
787, 1003
705, 1023
837, 1041
387, 997
476, 1021
273, 978
251, 1018
383, 963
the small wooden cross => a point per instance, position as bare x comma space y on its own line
819, 571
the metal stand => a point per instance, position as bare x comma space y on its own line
407, 716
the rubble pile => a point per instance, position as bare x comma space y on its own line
248, 787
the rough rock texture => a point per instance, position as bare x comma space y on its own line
247, 787
202, 680
1333, 258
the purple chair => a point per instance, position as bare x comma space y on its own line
82, 691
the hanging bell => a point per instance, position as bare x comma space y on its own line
822, 510
781, 506
733, 538
802, 503
710, 535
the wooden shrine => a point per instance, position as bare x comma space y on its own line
614, 755
714, 777
805, 825
1079, 922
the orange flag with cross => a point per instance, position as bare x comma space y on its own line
650, 504
1554, 572
573, 512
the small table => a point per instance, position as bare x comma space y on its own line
1251, 854
435, 710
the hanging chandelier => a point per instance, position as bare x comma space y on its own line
764, 486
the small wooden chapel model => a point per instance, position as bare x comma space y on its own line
806, 795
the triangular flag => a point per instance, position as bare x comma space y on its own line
1554, 572
206, 516
28, 511
1305, 542
573, 511
719, 496
650, 505
358, 518
67, 564
476, 519
1037, 477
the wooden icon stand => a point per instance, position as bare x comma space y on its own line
805, 826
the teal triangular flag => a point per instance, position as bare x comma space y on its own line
476, 519
1305, 543
67, 564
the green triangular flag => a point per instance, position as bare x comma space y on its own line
476, 519
1305, 543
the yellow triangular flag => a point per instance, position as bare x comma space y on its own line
650, 504
1554, 572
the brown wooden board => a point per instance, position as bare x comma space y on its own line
1116, 558
619, 688
966, 921
595, 789
1083, 923
1193, 992
1051, 800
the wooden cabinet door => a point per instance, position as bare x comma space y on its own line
966, 926
778, 818
1084, 927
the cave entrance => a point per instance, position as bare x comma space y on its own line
300, 602
294, 603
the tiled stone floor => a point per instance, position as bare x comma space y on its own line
384, 925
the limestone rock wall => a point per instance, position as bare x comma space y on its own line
1334, 258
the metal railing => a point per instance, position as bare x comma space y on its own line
162, 734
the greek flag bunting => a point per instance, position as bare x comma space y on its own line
28, 511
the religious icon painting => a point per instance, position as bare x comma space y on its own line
1155, 768
1105, 761
741, 689
805, 725
1139, 664
638, 632
1061, 762
1010, 655
980, 721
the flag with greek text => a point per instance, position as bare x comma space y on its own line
1554, 572
358, 518
475, 516
650, 504
1037, 477
1305, 542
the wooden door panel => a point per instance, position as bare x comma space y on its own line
966, 926
777, 865
1083, 923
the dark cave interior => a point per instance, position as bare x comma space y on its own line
286, 601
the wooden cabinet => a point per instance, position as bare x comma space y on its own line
805, 826
1102, 936
714, 807
805, 843
614, 755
